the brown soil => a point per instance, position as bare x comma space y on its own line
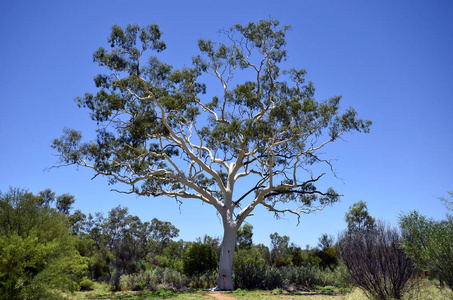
221, 295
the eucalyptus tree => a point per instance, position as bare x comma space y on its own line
358, 218
161, 135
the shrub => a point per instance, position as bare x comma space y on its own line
171, 263
38, 291
430, 245
376, 263
250, 275
10, 289
198, 259
273, 278
341, 276
254, 274
308, 277
249, 269
173, 280
205, 281
153, 280
86, 284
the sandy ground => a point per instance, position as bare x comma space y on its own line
221, 296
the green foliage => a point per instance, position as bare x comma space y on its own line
152, 117
326, 252
256, 276
123, 244
280, 252
198, 259
328, 258
37, 251
64, 272
162, 233
296, 255
205, 280
325, 288
10, 289
358, 218
171, 263
153, 280
214, 242
326, 242
273, 278
308, 277
149, 109
86, 284
252, 272
249, 269
244, 237
430, 244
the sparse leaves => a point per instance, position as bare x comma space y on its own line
160, 135
153, 117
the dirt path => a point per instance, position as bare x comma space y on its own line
221, 295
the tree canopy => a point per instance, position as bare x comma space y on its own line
430, 244
358, 218
160, 134
37, 252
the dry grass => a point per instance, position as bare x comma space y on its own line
426, 290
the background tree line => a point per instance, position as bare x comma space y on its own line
46, 246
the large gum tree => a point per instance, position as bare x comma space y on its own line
159, 134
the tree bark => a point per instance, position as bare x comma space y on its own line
225, 282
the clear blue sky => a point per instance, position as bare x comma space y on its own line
391, 60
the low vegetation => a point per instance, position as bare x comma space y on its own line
50, 251
425, 290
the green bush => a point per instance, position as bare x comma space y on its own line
86, 284
153, 280
249, 275
173, 280
430, 244
10, 289
254, 274
198, 259
171, 263
205, 281
37, 251
38, 291
273, 278
249, 269
308, 277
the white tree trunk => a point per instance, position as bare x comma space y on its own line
225, 282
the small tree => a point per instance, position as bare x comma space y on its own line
375, 261
430, 244
244, 237
160, 135
279, 250
198, 259
326, 252
358, 218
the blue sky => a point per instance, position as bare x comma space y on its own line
390, 60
